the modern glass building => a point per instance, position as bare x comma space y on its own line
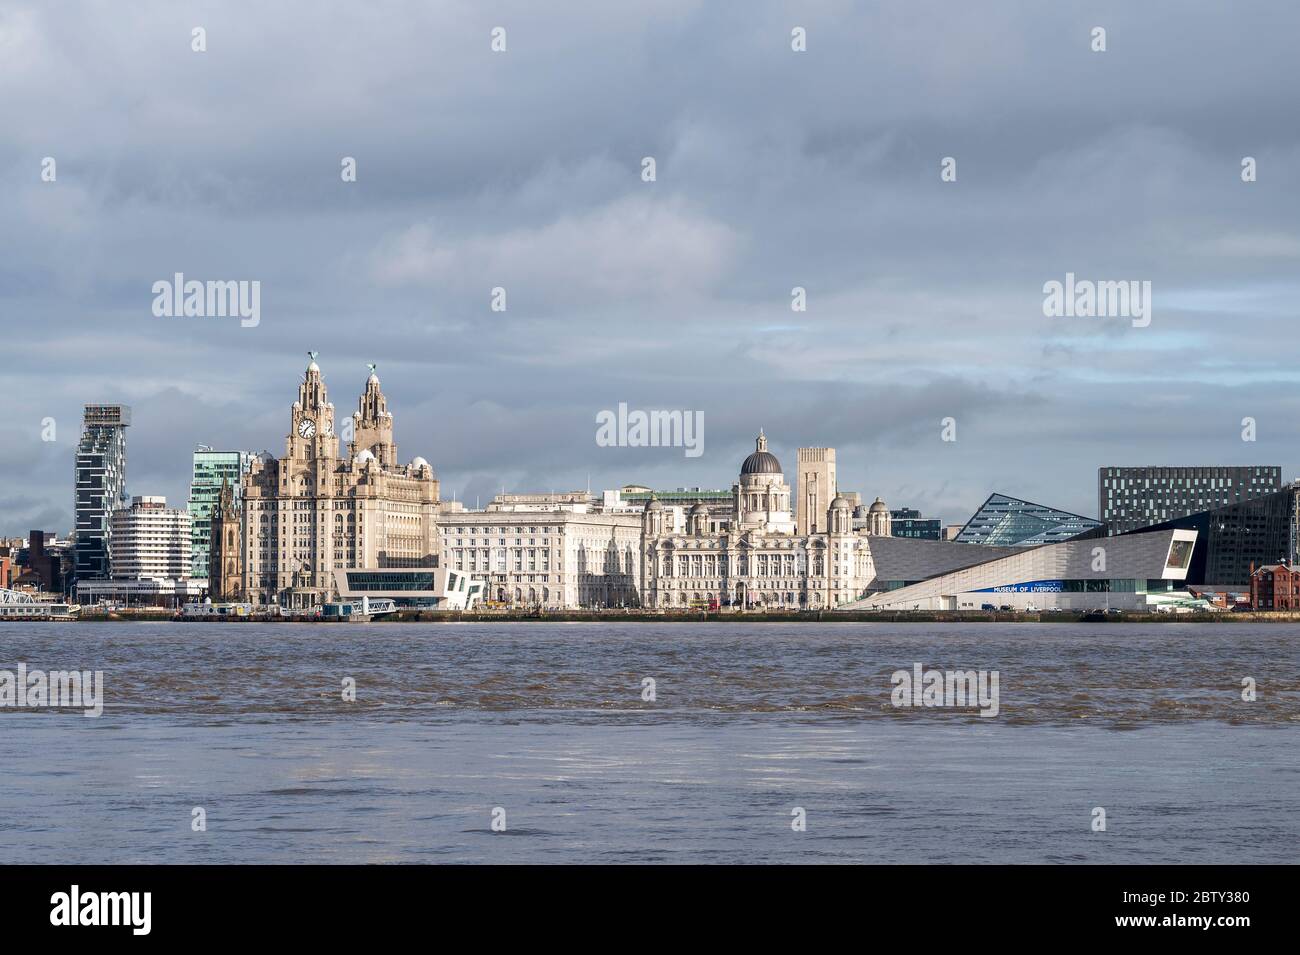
908, 522
434, 588
1129, 499
211, 468
100, 484
1005, 521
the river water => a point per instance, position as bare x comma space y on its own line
753, 727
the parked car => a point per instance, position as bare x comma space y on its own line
988, 607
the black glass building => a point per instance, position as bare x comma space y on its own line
908, 522
1231, 539
1129, 499
100, 485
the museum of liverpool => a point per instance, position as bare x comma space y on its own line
1139, 571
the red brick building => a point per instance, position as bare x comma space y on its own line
1274, 587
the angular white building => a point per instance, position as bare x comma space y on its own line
1133, 572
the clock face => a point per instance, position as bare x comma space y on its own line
306, 427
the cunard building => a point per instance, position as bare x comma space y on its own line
314, 512
750, 552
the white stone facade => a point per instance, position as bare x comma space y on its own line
559, 559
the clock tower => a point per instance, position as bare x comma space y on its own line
311, 420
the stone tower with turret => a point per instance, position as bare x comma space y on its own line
225, 555
372, 425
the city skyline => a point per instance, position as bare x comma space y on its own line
448, 432
775, 170
783, 449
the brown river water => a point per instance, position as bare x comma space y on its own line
748, 725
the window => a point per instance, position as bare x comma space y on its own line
1180, 555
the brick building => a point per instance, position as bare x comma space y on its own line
1275, 587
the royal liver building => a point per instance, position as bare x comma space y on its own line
750, 552
312, 512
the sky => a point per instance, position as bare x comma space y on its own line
774, 169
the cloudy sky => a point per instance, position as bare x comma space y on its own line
775, 169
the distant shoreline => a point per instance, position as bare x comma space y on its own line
807, 617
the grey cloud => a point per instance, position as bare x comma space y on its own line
775, 170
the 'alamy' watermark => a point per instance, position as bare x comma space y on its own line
131, 909
950, 688
193, 299
1085, 298
60, 689
651, 429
